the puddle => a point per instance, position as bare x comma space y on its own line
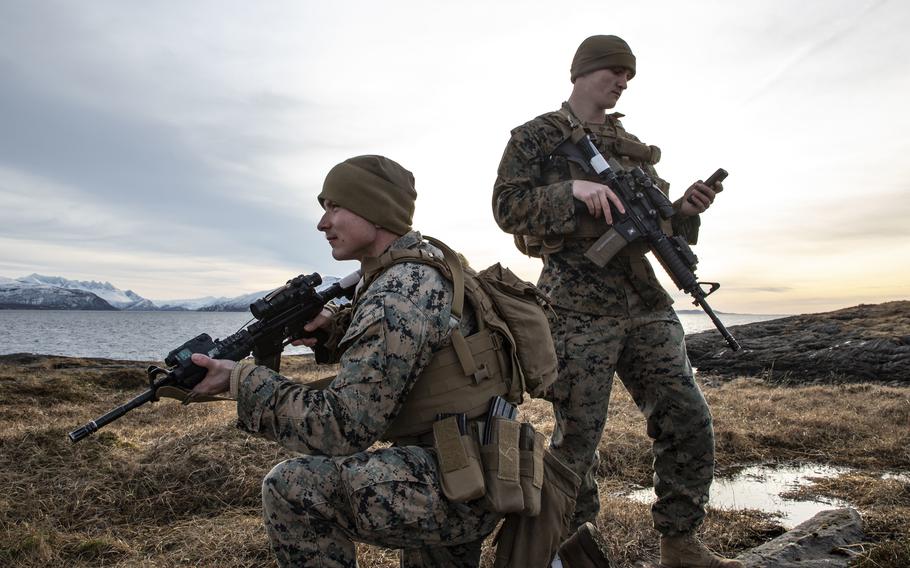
760, 487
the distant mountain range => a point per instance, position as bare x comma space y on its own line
37, 292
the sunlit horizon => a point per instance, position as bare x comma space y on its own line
176, 150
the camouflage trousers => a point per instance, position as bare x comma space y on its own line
647, 351
316, 507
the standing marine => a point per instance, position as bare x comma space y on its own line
615, 318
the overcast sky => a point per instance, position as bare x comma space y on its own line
176, 148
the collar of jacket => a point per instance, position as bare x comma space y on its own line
567, 111
370, 265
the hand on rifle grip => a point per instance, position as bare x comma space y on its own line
316, 329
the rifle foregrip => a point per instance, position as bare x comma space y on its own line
675, 266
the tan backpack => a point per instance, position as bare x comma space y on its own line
513, 309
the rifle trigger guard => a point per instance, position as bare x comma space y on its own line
714, 286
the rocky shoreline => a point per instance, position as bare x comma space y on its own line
862, 343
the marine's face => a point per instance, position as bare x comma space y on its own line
603, 87
351, 236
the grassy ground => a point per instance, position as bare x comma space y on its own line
169, 485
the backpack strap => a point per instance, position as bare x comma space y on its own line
456, 270
373, 266
451, 267
457, 273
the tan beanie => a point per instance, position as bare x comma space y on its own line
602, 52
374, 187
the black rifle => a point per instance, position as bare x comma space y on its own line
645, 206
281, 316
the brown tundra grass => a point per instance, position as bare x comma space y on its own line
169, 485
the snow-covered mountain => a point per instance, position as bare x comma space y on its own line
238, 304
242, 303
15, 294
53, 292
189, 304
122, 300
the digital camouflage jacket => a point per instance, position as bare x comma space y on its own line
397, 323
533, 196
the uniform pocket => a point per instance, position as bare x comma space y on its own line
366, 316
392, 488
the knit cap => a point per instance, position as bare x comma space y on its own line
374, 187
602, 52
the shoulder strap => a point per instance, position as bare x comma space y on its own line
451, 267
578, 130
373, 266
468, 365
456, 271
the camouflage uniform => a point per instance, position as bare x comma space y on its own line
315, 506
616, 318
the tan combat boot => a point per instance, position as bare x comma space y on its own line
686, 551
585, 549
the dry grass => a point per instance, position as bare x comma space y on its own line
169, 485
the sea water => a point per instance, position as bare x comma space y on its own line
150, 336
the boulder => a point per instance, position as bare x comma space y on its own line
826, 540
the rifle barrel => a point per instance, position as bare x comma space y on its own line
92, 426
731, 341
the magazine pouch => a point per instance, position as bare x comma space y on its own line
530, 469
459, 462
501, 467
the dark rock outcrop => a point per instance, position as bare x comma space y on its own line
825, 540
862, 343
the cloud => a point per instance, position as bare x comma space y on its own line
768, 289
831, 29
870, 217
153, 136
112, 179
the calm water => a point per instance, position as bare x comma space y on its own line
765, 488
149, 336
140, 336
